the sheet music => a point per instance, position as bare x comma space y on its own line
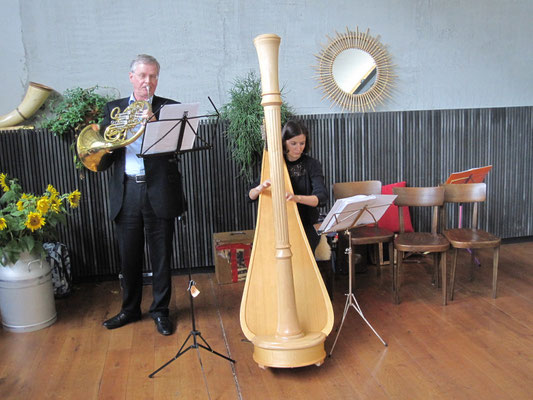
345, 211
162, 136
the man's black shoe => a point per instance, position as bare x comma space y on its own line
120, 319
164, 325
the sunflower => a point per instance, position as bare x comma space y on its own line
20, 205
55, 204
3, 182
34, 221
74, 198
52, 190
27, 220
43, 205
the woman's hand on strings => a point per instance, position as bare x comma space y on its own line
256, 191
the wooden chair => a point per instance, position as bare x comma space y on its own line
420, 242
470, 238
367, 235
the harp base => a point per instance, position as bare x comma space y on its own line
272, 351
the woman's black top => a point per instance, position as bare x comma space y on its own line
307, 179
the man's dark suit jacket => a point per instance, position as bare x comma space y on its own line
163, 178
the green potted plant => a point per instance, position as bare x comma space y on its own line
245, 115
77, 108
26, 222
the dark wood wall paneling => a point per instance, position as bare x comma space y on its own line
419, 147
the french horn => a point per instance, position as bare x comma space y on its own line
94, 150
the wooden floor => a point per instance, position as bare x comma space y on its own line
474, 348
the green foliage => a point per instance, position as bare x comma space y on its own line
77, 108
73, 111
27, 221
245, 115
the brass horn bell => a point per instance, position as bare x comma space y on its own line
94, 150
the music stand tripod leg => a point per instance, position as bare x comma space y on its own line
351, 300
346, 308
358, 309
194, 333
460, 225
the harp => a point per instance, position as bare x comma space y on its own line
285, 309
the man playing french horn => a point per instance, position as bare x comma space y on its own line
145, 196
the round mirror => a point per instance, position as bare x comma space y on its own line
355, 71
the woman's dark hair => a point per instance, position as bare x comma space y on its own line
292, 129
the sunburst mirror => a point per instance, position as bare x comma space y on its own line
355, 71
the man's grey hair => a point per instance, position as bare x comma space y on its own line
144, 59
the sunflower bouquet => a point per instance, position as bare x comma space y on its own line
27, 220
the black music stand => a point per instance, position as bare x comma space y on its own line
170, 139
345, 215
184, 123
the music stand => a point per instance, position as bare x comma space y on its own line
346, 214
177, 136
472, 175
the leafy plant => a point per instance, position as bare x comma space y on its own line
27, 221
77, 108
245, 115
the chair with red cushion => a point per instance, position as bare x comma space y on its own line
420, 242
470, 238
390, 220
366, 235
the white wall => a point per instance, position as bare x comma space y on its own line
12, 67
448, 54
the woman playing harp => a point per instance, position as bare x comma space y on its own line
307, 179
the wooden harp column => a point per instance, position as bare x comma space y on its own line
285, 311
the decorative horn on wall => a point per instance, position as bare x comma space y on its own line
35, 97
